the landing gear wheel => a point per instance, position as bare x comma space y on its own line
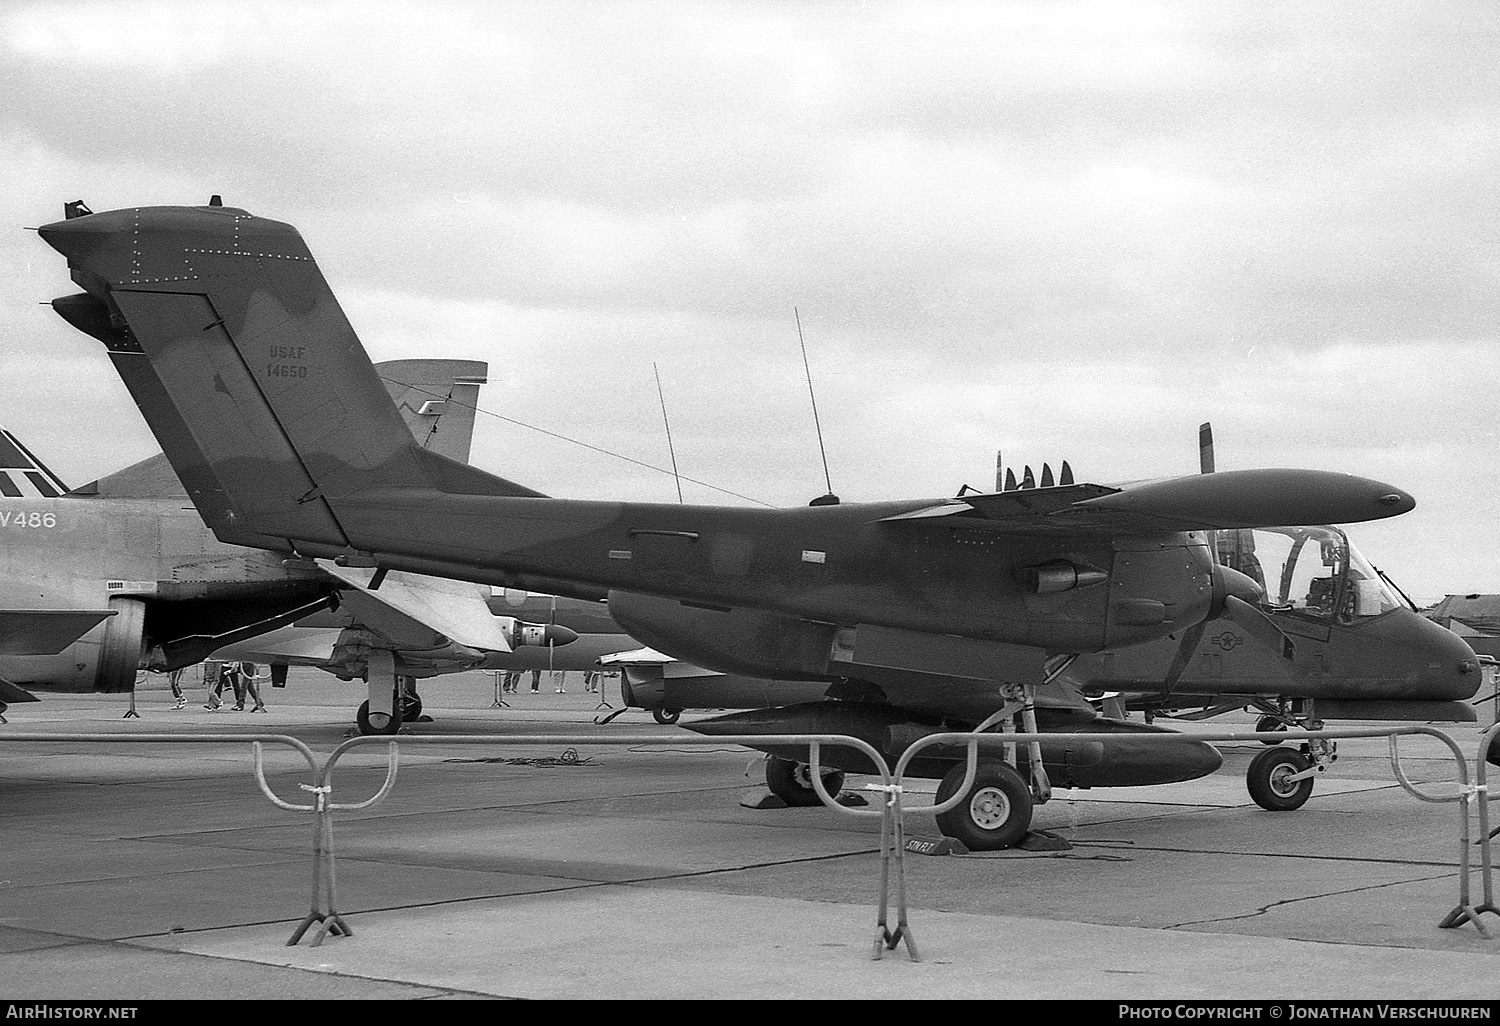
995, 814
1270, 784
1267, 723
792, 782
369, 725
666, 717
411, 708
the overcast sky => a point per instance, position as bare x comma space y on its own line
1061, 230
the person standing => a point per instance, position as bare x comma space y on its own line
245, 675
215, 676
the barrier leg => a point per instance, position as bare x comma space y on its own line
322, 912
893, 848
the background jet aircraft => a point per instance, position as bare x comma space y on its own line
223, 329
120, 574
1475, 617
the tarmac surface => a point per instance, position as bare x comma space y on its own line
139, 870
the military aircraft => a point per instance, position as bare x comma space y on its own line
917, 611
1351, 647
119, 575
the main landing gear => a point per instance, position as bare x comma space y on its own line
393, 699
994, 814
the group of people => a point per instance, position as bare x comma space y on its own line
512, 683
241, 680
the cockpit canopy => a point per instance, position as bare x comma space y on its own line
1311, 572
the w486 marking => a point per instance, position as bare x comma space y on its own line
12, 518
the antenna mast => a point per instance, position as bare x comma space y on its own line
829, 499
668, 426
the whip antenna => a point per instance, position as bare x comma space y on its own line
671, 451
828, 499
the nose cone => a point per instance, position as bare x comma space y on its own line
1410, 657
556, 634
1136, 762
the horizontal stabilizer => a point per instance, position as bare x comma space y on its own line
635, 656
46, 631
293, 645
453, 609
11, 694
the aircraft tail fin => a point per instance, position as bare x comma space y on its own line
22, 475
151, 478
231, 342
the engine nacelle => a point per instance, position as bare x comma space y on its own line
105, 659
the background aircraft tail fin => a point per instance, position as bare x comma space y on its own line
438, 400
151, 478
22, 475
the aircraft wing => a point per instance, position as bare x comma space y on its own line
410, 609
636, 656
1228, 500
294, 646
46, 631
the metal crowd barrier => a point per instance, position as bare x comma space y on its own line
1463, 912
891, 810
325, 901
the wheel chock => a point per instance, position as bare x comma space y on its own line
1043, 840
761, 798
936, 846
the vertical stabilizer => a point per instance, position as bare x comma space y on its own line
22, 475
223, 319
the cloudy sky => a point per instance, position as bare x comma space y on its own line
1060, 230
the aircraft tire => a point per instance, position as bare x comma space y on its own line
666, 717
368, 729
1268, 783
792, 782
1266, 723
411, 708
994, 815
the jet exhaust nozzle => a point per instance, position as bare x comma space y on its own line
1061, 575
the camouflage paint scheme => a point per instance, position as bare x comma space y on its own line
225, 331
